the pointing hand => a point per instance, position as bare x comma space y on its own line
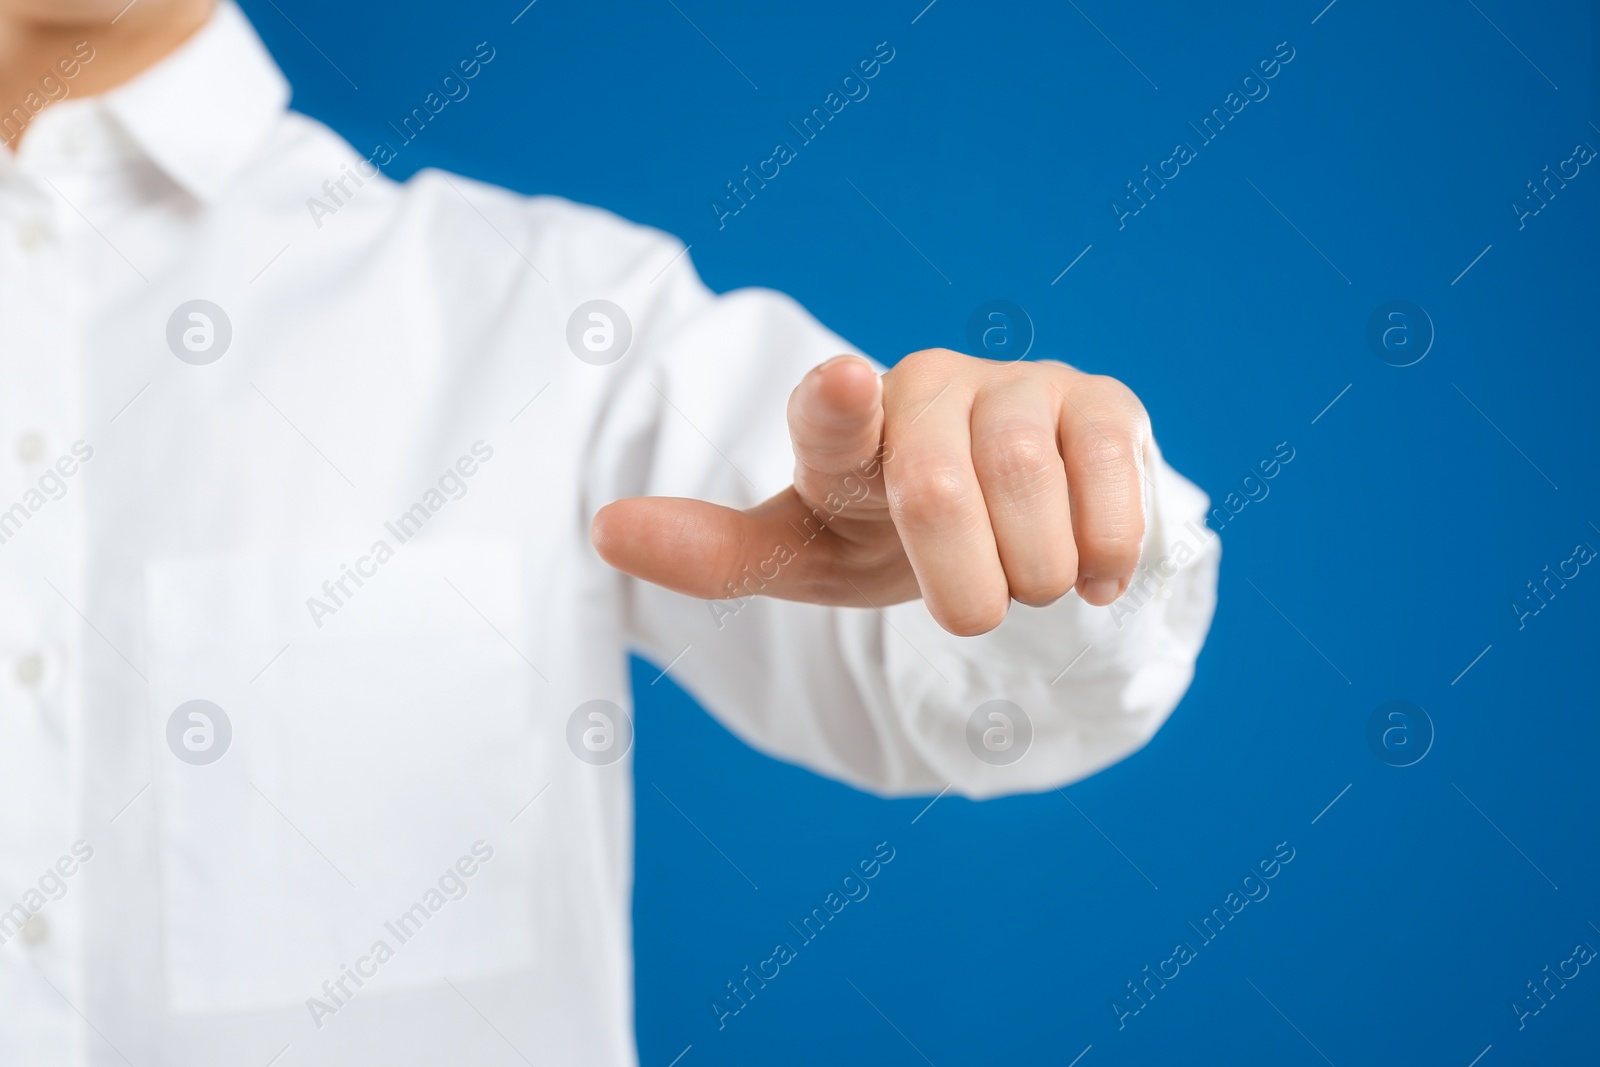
964, 481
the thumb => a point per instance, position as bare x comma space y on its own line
836, 427
713, 552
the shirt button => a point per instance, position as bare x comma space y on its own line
29, 669
30, 447
35, 931
34, 233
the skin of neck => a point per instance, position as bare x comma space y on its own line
41, 39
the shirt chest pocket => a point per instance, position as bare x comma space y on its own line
332, 757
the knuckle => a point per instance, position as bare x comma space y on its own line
926, 363
1018, 456
1117, 400
1109, 388
931, 496
1057, 365
1104, 455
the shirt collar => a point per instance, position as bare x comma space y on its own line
202, 110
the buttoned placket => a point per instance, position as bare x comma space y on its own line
40, 325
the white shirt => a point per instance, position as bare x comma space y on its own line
395, 388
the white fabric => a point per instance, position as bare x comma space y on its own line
376, 747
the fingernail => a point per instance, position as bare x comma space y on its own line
1100, 591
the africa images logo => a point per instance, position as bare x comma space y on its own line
199, 732
599, 732
199, 332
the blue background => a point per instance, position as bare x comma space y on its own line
1395, 541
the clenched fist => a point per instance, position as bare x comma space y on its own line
964, 481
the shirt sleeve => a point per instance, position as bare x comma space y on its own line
884, 700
